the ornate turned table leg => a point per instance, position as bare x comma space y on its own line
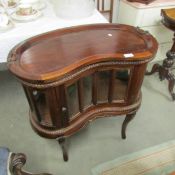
164, 70
62, 142
128, 118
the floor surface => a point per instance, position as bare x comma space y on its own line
99, 142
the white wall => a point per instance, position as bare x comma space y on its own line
116, 11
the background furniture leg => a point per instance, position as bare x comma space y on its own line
62, 141
164, 71
155, 68
128, 118
16, 164
171, 80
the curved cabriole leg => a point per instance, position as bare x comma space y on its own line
16, 164
128, 118
62, 142
165, 71
171, 81
155, 68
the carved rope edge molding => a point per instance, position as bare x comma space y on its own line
78, 72
81, 120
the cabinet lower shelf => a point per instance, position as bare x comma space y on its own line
82, 119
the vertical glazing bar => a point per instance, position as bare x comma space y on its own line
80, 95
54, 107
32, 102
94, 88
111, 86
64, 104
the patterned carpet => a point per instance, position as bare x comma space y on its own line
158, 160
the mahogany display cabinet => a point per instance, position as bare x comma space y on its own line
75, 75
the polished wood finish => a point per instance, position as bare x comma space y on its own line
62, 141
164, 70
73, 76
17, 161
168, 18
101, 8
142, 1
128, 118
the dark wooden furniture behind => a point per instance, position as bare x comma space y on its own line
12, 163
17, 161
74, 75
142, 1
168, 19
102, 9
